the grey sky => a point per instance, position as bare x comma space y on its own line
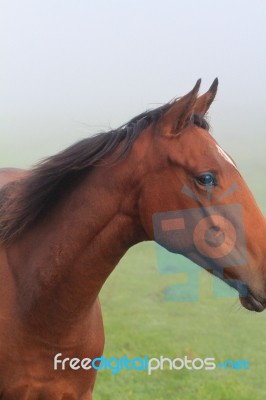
68, 63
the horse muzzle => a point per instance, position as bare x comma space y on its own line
252, 302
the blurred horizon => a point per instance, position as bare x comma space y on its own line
71, 69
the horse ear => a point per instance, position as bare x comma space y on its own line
180, 112
203, 102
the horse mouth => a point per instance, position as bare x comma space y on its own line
252, 302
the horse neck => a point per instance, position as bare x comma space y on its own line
68, 257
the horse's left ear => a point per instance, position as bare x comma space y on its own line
203, 102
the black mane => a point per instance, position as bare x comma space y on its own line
49, 180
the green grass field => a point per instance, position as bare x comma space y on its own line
138, 321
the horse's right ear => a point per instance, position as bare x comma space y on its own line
178, 115
203, 102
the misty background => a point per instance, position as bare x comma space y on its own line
70, 69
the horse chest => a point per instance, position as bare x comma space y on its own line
27, 362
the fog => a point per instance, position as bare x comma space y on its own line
71, 68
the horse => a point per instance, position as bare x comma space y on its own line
66, 223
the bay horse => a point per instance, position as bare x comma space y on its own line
66, 223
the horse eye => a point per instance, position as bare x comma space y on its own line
206, 179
